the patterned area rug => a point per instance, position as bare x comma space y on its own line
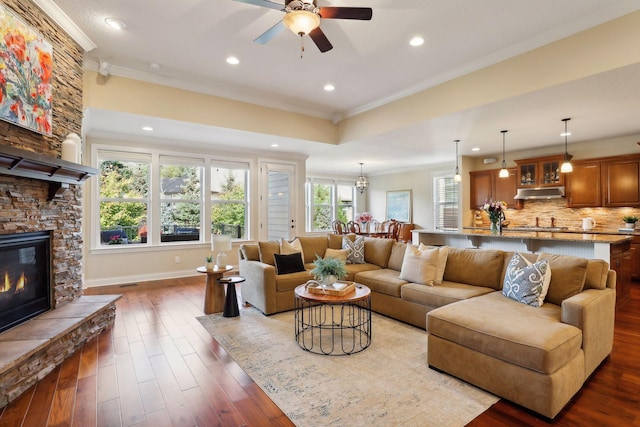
388, 384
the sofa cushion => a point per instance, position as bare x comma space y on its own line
288, 282
377, 251
337, 253
250, 252
531, 337
445, 293
397, 256
267, 250
474, 267
290, 263
382, 280
313, 247
424, 265
293, 247
507, 259
597, 271
568, 275
334, 241
527, 282
353, 269
356, 249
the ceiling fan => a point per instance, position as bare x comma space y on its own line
303, 18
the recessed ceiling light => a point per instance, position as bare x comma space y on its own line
116, 24
416, 41
147, 128
475, 149
154, 66
329, 87
233, 60
275, 145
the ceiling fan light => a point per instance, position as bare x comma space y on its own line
301, 22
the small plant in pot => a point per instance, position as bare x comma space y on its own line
630, 221
328, 270
209, 261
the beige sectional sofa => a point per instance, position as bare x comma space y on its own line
538, 357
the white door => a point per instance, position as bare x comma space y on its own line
278, 204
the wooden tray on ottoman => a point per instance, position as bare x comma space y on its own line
351, 286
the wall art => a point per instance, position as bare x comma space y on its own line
26, 66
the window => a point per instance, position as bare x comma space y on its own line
180, 199
446, 194
327, 201
123, 197
152, 198
229, 202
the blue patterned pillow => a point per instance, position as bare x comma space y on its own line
527, 282
356, 249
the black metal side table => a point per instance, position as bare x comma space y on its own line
231, 300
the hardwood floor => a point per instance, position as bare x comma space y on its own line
158, 367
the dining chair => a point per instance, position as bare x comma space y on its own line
339, 227
353, 227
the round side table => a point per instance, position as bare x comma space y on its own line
214, 293
231, 300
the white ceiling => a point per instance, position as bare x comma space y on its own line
371, 64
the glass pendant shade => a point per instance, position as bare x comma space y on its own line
566, 167
457, 177
301, 22
361, 181
504, 173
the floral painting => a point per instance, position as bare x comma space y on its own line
26, 62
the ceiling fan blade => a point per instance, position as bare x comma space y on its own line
264, 3
270, 33
320, 40
362, 13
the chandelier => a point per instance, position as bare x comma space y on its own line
361, 181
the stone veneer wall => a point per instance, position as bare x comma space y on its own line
607, 219
23, 202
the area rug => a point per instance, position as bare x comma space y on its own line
388, 384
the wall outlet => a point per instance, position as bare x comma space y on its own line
177, 259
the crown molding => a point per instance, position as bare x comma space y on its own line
61, 18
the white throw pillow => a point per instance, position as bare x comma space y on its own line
527, 282
340, 254
424, 265
288, 248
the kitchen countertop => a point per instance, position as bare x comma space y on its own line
565, 235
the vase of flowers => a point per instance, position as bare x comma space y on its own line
495, 211
364, 218
116, 240
328, 270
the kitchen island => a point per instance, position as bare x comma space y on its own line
613, 248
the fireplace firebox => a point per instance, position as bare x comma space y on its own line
25, 277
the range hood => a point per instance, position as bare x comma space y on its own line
540, 193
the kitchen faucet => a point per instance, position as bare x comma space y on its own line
553, 222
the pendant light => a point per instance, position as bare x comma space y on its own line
457, 177
504, 173
361, 181
566, 166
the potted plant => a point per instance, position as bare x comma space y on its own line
209, 260
630, 221
328, 270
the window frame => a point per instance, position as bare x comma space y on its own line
439, 221
334, 205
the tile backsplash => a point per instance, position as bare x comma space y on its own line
606, 218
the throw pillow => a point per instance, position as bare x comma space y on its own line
443, 255
527, 282
337, 254
422, 265
291, 263
294, 247
355, 248
267, 250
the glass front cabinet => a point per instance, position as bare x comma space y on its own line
540, 172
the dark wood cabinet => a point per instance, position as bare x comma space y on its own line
635, 258
583, 185
620, 180
487, 185
540, 172
621, 262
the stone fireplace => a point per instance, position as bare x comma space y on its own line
41, 195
